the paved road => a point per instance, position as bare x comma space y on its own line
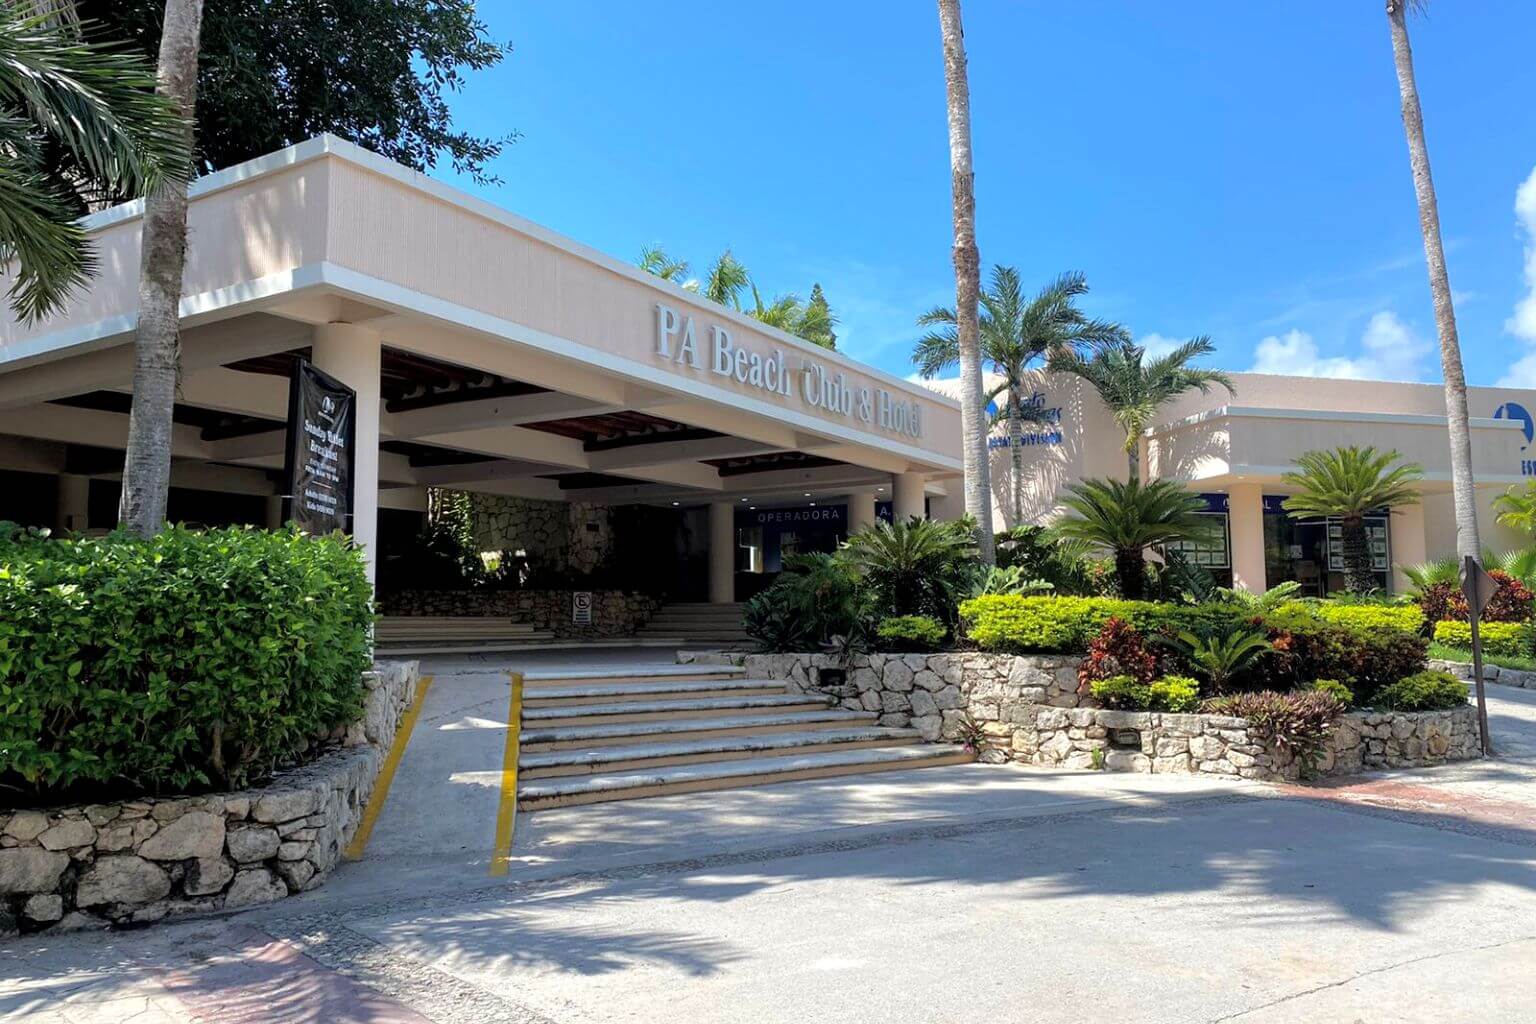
970, 892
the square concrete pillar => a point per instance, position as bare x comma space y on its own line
73, 514
722, 553
1406, 535
351, 354
1245, 523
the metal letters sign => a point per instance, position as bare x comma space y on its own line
322, 422
581, 607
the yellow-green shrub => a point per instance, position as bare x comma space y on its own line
1406, 617
1009, 622
1500, 639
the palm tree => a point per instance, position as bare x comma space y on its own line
163, 253
97, 105
1346, 483
812, 321
654, 260
1128, 518
1517, 508
728, 278
918, 567
1467, 540
1016, 335
973, 426
1134, 389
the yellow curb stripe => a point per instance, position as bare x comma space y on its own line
359, 843
506, 813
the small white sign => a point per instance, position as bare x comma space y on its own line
581, 607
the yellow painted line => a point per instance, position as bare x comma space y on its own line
506, 813
359, 843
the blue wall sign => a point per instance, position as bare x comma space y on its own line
1044, 428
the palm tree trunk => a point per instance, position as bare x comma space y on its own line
157, 342
1131, 574
1359, 577
1016, 454
1133, 460
973, 424
1467, 541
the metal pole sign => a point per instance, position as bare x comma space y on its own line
1478, 587
322, 422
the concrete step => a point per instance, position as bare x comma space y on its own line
650, 711
726, 747
539, 696
644, 673
403, 648
540, 737
693, 778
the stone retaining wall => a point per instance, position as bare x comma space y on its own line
141, 860
1491, 673
1027, 707
1217, 745
614, 612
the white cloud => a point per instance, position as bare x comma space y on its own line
1522, 322
1159, 344
1389, 350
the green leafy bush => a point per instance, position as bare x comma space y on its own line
1345, 695
1408, 618
1124, 693
1365, 660
190, 659
1423, 691
816, 597
1500, 639
1018, 625
1175, 693
911, 633
1299, 724
919, 567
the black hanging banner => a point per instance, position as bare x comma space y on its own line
322, 421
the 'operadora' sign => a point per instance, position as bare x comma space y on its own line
677, 341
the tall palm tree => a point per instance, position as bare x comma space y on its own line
1017, 334
97, 105
728, 278
654, 260
1346, 483
811, 321
973, 425
163, 253
1128, 518
1134, 388
1467, 541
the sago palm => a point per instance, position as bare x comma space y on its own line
917, 567
1018, 334
1135, 388
1126, 518
1220, 659
96, 104
1346, 483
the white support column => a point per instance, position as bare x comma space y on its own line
861, 511
1245, 522
351, 353
907, 497
74, 508
722, 553
1409, 546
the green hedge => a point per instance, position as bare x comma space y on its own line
1423, 691
1500, 639
187, 660
911, 633
1022, 625
1406, 617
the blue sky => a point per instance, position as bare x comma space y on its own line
1237, 170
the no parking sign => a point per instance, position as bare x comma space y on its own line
581, 607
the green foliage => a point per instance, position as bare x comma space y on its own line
995, 579
1040, 556
810, 320
81, 121
1268, 601
911, 633
1067, 624
185, 660
1127, 517
1500, 639
1348, 482
816, 598
377, 74
919, 567
1423, 691
1345, 695
1220, 658
1406, 617
1517, 507
1179, 694
1298, 724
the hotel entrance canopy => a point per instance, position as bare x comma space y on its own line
489, 354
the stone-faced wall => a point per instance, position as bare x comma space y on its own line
140, 860
1154, 742
615, 613
1491, 673
932, 693
539, 528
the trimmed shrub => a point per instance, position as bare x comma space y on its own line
1405, 617
1512, 602
182, 661
1175, 693
1364, 660
1123, 693
1015, 624
1500, 639
1299, 724
1345, 695
911, 632
1423, 691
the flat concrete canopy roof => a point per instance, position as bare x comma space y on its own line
514, 360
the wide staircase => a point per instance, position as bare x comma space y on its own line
407, 635
588, 738
694, 623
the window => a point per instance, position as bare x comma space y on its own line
1212, 551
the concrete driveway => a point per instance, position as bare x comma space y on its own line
951, 893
